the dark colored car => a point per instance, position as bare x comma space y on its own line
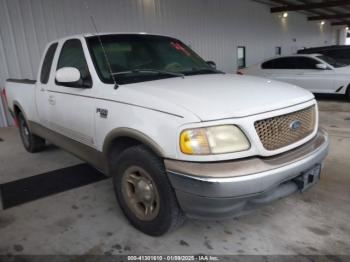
341, 53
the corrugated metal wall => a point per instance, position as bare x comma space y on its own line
213, 28
3, 116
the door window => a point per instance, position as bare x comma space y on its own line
72, 55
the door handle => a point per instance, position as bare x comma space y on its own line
52, 100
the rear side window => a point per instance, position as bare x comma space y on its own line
279, 63
290, 63
306, 63
47, 63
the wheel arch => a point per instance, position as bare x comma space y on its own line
347, 91
122, 138
17, 108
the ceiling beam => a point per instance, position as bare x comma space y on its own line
325, 17
329, 9
347, 23
309, 6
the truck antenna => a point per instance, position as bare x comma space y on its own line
102, 47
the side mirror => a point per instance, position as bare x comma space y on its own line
68, 76
322, 66
212, 64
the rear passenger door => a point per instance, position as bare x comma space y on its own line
41, 94
282, 69
71, 109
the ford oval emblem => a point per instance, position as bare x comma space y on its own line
295, 125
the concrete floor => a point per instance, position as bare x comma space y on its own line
87, 220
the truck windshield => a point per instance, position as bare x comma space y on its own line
138, 58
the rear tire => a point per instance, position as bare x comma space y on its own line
144, 192
347, 93
32, 143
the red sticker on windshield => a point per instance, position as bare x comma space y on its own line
180, 48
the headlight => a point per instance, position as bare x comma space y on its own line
213, 140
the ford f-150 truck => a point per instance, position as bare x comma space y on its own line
179, 137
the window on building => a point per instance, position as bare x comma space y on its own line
278, 50
241, 57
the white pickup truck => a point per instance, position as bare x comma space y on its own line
179, 137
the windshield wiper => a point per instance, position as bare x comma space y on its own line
149, 71
203, 71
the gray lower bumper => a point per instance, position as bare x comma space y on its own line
219, 190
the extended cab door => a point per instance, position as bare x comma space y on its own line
71, 109
42, 95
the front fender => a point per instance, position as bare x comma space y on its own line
134, 134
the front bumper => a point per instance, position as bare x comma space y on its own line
226, 189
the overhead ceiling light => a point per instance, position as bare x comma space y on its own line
285, 15
347, 28
323, 22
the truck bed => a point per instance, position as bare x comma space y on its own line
21, 93
21, 81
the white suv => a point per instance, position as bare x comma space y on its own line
315, 72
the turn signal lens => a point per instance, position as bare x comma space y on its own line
194, 142
213, 140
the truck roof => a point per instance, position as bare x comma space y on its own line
103, 33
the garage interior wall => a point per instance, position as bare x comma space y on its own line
213, 28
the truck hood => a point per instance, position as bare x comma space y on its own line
213, 97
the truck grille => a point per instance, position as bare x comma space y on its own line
284, 130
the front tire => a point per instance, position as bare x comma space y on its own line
32, 143
144, 192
